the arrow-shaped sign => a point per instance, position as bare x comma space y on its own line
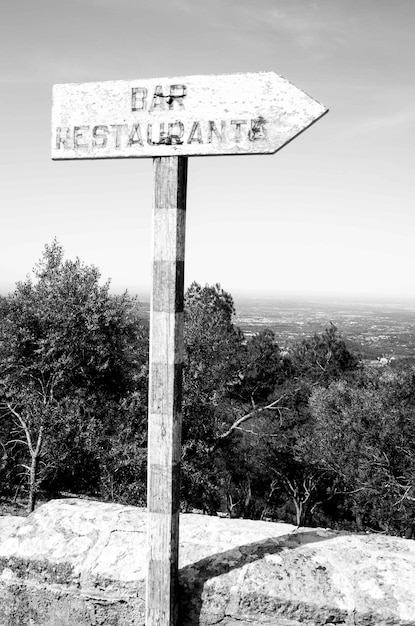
173, 117
254, 113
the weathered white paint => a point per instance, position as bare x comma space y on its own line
175, 118
254, 113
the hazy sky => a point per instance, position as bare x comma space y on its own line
331, 213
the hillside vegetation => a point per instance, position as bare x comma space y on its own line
307, 435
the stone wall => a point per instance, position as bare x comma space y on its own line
82, 563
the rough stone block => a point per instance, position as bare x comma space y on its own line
82, 563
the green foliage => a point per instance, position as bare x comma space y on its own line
365, 436
212, 365
212, 344
281, 424
262, 367
323, 358
308, 436
247, 419
68, 351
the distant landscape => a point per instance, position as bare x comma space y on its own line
373, 329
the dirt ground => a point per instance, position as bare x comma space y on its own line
18, 507
7, 507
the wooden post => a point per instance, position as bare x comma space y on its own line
254, 113
165, 390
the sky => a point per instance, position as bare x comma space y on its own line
331, 214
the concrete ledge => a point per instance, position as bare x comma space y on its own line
77, 562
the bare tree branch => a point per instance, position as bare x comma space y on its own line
256, 411
23, 425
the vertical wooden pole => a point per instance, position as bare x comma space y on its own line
165, 390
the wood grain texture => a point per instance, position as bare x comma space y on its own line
253, 113
165, 390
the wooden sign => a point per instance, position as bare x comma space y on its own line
170, 119
254, 113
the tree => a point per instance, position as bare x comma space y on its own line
365, 436
68, 348
212, 358
263, 367
323, 357
213, 347
276, 422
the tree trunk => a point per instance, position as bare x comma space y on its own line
248, 498
298, 511
273, 488
230, 505
32, 482
34, 462
359, 520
